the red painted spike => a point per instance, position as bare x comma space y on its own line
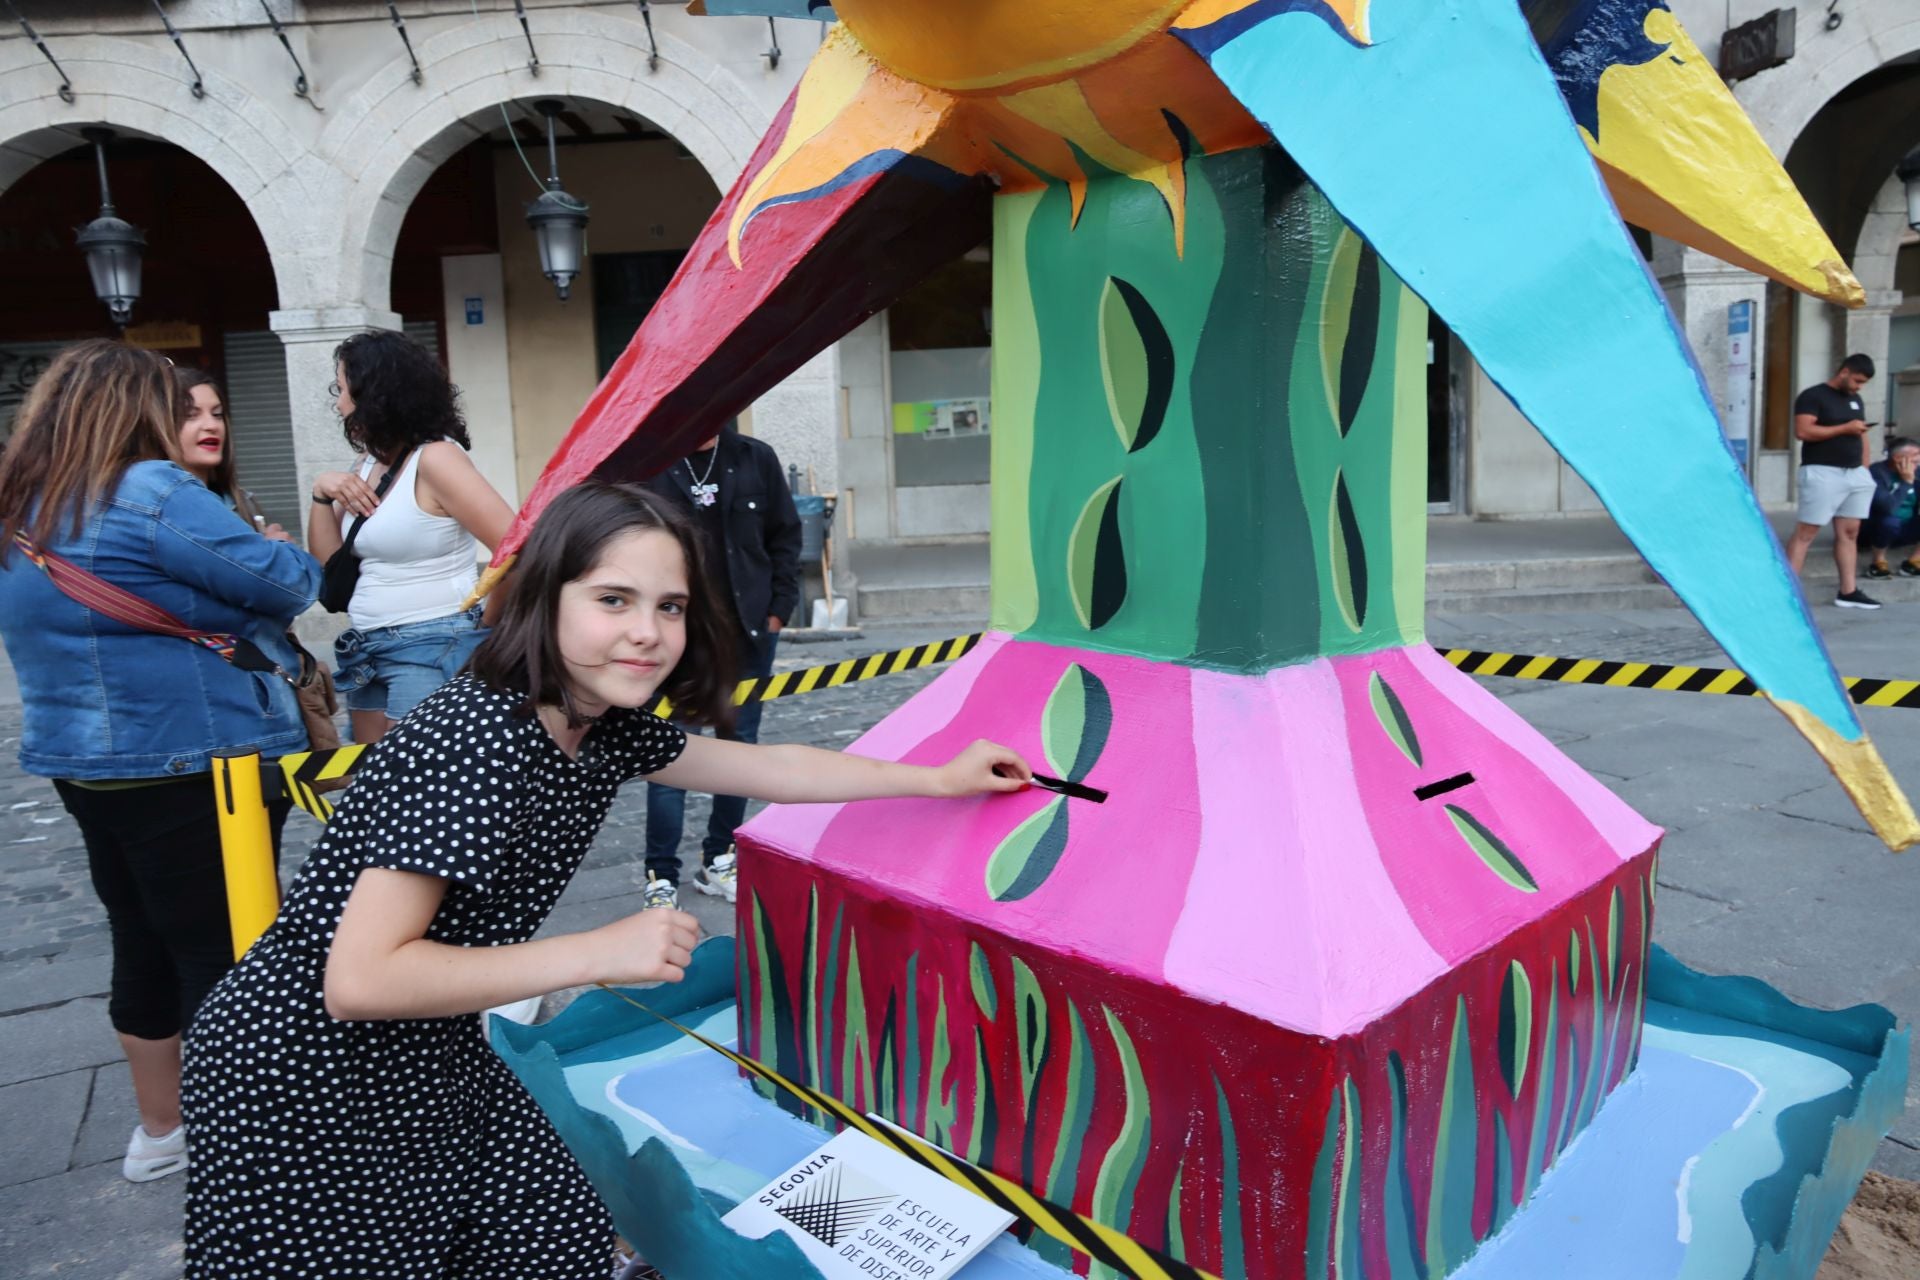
722, 335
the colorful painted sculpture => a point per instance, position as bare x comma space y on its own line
1349, 953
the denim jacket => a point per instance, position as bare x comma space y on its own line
103, 700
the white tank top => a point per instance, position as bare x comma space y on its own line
413, 566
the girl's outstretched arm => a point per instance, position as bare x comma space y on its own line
381, 964
793, 774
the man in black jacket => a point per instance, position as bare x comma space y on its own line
733, 490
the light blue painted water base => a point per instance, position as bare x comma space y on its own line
1731, 1151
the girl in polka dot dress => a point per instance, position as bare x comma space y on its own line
345, 1117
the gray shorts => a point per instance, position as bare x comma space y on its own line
1826, 492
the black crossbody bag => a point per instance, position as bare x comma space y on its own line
342, 572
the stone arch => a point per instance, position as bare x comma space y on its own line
251, 150
1878, 247
393, 134
1872, 34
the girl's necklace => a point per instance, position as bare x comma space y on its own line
704, 494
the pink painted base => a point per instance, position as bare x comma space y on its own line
1262, 846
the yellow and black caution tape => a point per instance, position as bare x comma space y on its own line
1866, 691
787, 684
307, 768
1080, 1233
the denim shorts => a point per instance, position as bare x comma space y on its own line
392, 669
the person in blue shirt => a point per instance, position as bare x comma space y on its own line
1893, 520
127, 721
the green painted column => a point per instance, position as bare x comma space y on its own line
1217, 458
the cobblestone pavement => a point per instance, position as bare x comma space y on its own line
1766, 870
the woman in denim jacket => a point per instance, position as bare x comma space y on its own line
127, 721
418, 552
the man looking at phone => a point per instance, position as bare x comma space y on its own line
1835, 485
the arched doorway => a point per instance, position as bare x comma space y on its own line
207, 291
466, 276
1842, 160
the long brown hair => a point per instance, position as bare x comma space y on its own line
100, 407
224, 480
522, 655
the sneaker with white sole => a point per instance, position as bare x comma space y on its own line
659, 893
1856, 599
149, 1157
718, 879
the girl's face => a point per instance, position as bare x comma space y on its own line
623, 624
203, 436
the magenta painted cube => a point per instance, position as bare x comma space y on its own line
1346, 957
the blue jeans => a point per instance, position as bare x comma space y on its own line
393, 669
1887, 531
667, 806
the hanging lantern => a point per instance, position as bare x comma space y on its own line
1908, 171
559, 220
114, 247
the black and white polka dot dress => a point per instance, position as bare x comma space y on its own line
406, 1148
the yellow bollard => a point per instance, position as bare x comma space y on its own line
246, 849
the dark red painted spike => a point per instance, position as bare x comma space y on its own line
721, 335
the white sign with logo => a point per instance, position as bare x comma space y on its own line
861, 1211
1739, 424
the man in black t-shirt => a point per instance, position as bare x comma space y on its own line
1835, 485
737, 496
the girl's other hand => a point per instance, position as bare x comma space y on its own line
653, 946
347, 490
984, 767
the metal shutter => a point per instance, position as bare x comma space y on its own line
260, 420
20, 364
424, 332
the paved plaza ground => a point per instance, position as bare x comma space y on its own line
1766, 870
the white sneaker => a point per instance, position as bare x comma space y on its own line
659, 893
149, 1157
718, 878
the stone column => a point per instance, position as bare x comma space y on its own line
1870, 329
1700, 288
309, 337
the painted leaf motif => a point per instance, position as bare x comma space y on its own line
1405, 1254
1516, 1027
1030, 1014
1393, 718
1232, 1246
1063, 1172
1349, 326
1075, 723
983, 990
1363, 325
1349, 553
1539, 1151
1029, 853
1613, 941
1336, 316
1455, 1157
1499, 859
1346, 1227
1120, 1168
1136, 364
1096, 562
1320, 1191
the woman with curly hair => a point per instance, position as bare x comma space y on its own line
418, 560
